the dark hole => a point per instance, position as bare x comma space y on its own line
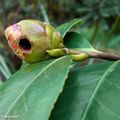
25, 44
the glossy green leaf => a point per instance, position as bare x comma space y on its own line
64, 28
77, 41
115, 43
30, 93
90, 93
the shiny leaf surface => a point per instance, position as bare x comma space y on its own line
64, 28
30, 93
77, 41
90, 93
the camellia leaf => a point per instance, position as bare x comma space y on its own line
64, 28
30, 93
77, 41
90, 93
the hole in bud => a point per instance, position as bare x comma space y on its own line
25, 44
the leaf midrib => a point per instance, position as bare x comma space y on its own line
97, 88
29, 85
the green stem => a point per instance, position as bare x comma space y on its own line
78, 55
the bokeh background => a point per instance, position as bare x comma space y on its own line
101, 23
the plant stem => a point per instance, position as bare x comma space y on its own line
97, 54
79, 55
105, 56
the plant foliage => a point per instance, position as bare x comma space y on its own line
39, 91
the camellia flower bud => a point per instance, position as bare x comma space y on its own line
34, 41
30, 39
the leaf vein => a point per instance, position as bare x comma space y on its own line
29, 85
108, 71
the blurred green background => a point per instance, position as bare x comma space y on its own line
101, 23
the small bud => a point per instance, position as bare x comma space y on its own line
80, 57
30, 39
56, 52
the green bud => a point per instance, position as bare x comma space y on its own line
80, 57
56, 52
30, 39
